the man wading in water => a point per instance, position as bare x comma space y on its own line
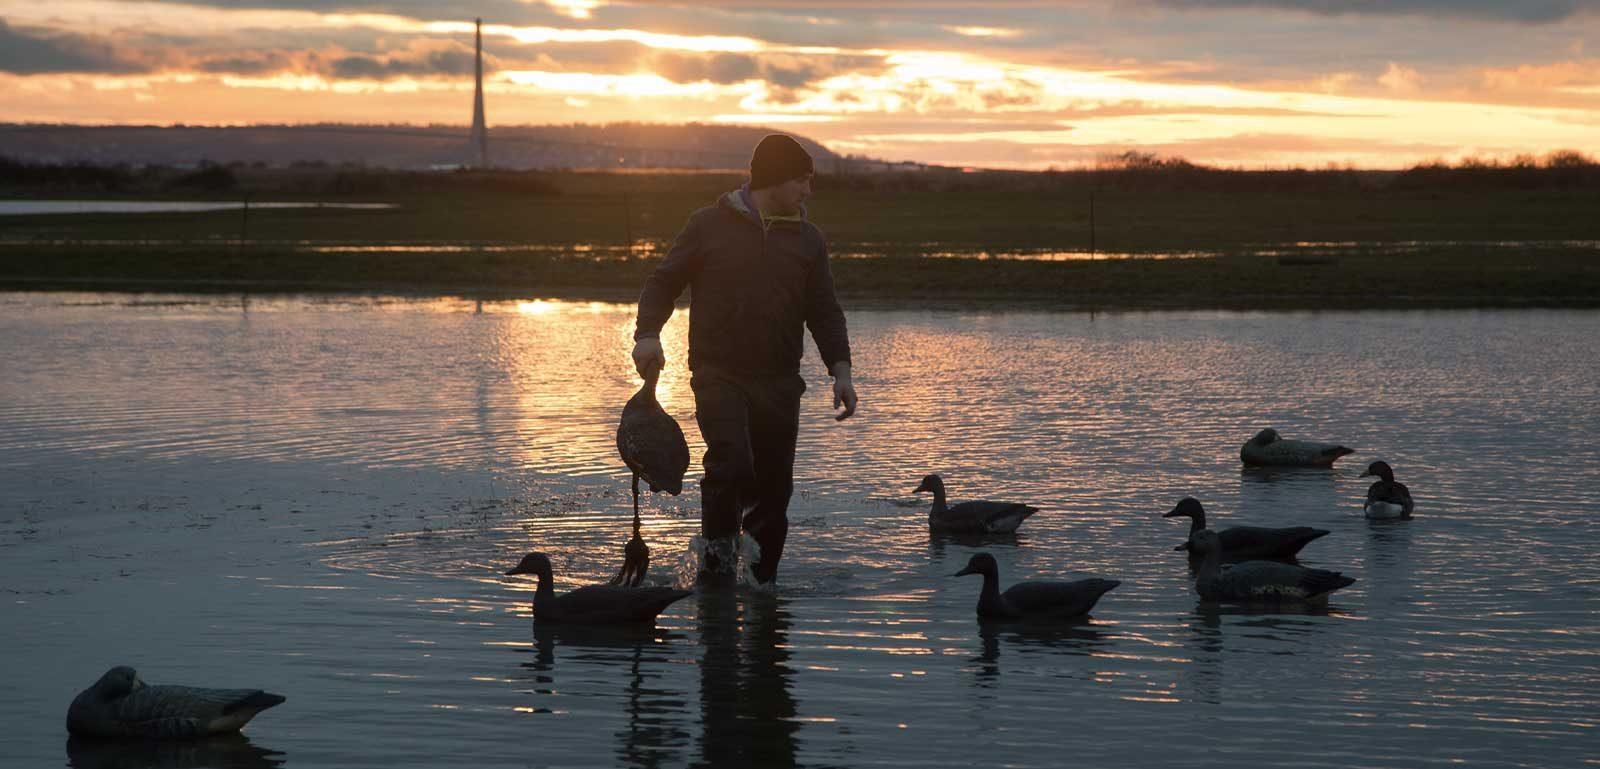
760, 275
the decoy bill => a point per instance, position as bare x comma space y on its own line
1386, 497
975, 517
1245, 543
122, 705
594, 604
653, 447
1268, 449
1261, 582
1033, 600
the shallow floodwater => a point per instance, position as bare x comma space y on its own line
318, 496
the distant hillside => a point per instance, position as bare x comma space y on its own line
617, 146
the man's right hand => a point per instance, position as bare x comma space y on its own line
648, 357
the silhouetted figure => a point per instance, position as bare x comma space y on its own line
760, 277
652, 445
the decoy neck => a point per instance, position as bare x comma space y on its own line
983, 563
1380, 469
537, 564
935, 484
1207, 545
117, 682
1265, 437
1190, 508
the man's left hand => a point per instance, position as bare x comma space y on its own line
844, 392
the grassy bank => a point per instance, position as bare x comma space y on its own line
1453, 239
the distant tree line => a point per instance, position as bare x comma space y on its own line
311, 178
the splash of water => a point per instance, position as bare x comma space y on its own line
743, 552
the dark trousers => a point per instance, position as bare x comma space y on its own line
749, 425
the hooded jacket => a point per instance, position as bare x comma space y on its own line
754, 287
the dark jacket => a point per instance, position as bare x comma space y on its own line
754, 288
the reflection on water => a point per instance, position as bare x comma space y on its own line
355, 474
233, 751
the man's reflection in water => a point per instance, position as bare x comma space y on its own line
746, 712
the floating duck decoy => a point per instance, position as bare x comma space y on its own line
976, 517
1033, 600
1386, 497
1268, 449
652, 445
1259, 581
595, 604
121, 705
1245, 543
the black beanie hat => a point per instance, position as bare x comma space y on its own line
778, 159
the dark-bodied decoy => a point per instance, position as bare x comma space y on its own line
652, 445
1268, 449
976, 517
1259, 581
1245, 543
1386, 497
595, 604
1033, 600
121, 705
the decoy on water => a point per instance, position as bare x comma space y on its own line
1245, 543
1259, 581
595, 604
652, 445
121, 705
1268, 449
1033, 600
1386, 497
975, 517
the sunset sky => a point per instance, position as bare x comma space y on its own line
1255, 83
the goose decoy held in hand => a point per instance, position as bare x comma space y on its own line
1245, 543
1033, 600
652, 445
595, 604
976, 517
121, 705
1386, 498
1258, 581
1267, 449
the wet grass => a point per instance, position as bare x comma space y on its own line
1466, 247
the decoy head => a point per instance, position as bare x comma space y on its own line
1205, 541
930, 482
533, 563
1265, 437
980, 563
119, 681
1188, 507
1380, 469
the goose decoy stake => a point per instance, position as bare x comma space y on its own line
652, 445
976, 517
121, 705
1268, 449
1245, 543
1033, 600
1259, 581
1386, 497
595, 604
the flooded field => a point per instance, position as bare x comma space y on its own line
318, 496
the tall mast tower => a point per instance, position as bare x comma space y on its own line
480, 128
